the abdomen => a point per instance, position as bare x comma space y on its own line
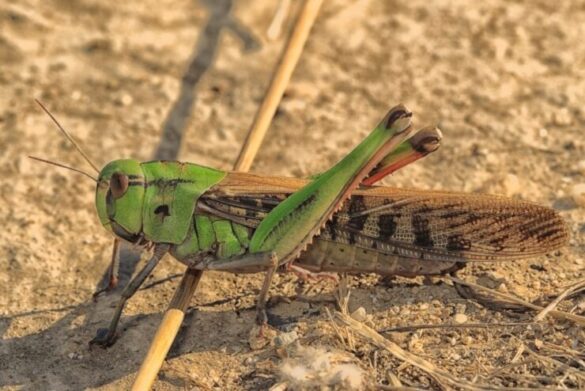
328, 256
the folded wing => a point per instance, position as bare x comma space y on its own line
416, 224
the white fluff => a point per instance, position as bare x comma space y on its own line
316, 368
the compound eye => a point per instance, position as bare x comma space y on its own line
118, 185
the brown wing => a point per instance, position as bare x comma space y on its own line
438, 226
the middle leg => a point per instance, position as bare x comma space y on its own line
249, 263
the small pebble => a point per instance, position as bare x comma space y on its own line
71, 356
360, 314
511, 184
562, 117
538, 343
581, 167
283, 386
125, 99
250, 360
76, 95
460, 318
578, 194
285, 339
260, 336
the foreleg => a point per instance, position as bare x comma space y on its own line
107, 337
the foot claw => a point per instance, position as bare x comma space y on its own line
98, 293
261, 317
108, 288
103, 339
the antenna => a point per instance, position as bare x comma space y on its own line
68, 136
63, 166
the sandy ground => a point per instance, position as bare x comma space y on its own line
505, 81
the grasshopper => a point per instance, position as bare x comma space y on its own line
336, 221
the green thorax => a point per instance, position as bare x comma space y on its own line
210, 235
172, 191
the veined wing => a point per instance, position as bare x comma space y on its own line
416, 224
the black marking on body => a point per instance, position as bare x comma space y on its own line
457, 242
168, 182
135, 180
550, 233
251, 214
498, 242
332, 227
541, 230
422, 232
351, 238
311, 199
454, 214
270, 202
386, 226
357, 205
124, 234
109, 201
471, 219
393, 117
253, 206
248, 201
307, 202
162, 211
249, 204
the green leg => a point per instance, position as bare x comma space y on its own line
107, 337
291, 226
248, 263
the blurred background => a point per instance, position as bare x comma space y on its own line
505, 81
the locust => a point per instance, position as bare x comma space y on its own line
336, 221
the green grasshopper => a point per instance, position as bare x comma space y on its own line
210, 219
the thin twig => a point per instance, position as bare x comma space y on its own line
556, 363
573, 288
402, 329
556, 313
374, 337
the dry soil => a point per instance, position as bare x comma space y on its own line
504, 80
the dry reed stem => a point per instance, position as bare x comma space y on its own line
169, 328
278, 84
